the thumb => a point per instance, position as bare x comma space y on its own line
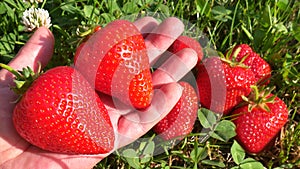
39, 48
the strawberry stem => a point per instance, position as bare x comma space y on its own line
86, 33
260, 97
11, 70
23, 79
233, 63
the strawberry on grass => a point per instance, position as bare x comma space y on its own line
245, 54
261, 69
180, 120
60, 112
221, 84
259, 120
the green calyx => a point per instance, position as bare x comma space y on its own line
259, 97
23, 79
230, 58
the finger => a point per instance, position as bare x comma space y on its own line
146, 25
161, 38
39, 48
175, 68
135, 125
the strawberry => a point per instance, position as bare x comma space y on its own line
78, 51
244, 53
259, 121
83, 41
261, 69
186, 42
180, 120
97, 28
222, 83
61, 112
115, 60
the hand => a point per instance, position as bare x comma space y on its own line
129, 124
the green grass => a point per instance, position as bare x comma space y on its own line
271, 27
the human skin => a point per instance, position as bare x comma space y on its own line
15, 152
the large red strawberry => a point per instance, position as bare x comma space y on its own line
180, 121
222, 84
183, 42
245, 54
258, 122
61, 112
115, 60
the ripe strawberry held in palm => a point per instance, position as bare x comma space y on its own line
115, 61
60, 111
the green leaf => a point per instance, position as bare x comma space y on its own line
220, 13
148, 152
296, 30
198, 154
282, 4
213, 163
89, 11
164, 9
113, 6
10, 11
250, 163
280, 28
130, 7
107, 17
132, 158
11, 3
2, 8
142, 146
7, 43
237, 152
207, 118
235, 167
224, 130
203, 7
149, 148
68, 7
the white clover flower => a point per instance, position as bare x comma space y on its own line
34, 18
33, 1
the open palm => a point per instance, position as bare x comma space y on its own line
129, 125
